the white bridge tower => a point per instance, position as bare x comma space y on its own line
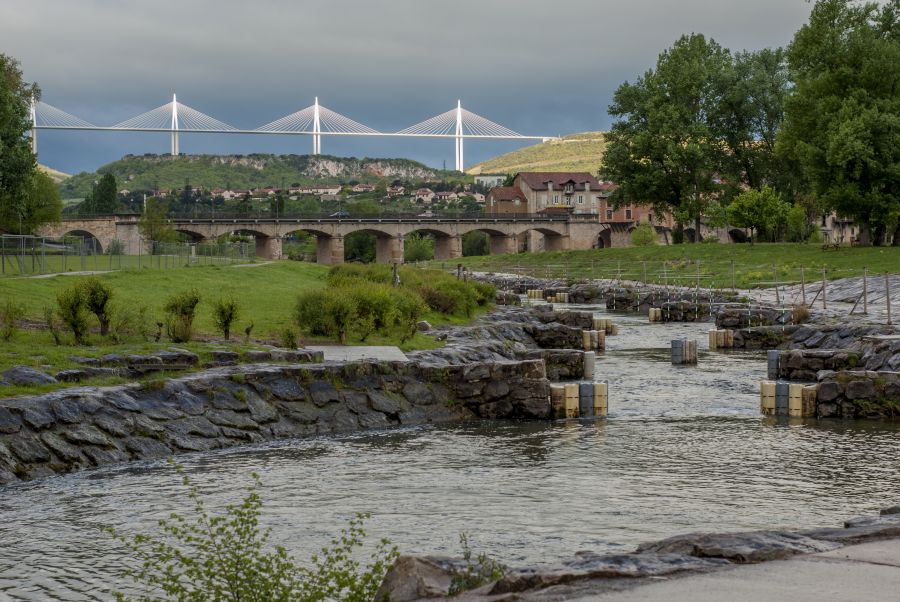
33, 126
317, 129
174, 126
459, 136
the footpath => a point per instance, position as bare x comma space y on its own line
864, 572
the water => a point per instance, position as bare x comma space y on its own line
683, 449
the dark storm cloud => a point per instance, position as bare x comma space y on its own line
537, 66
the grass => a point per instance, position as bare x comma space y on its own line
754, 266
578, 152
266, 294
12, 265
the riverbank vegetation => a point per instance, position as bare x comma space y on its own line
754, 265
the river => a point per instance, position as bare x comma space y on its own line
683, 449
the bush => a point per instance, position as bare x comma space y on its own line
450, 296
10, 312
308, 313
339, 312
484, 293
181, 309
482, 571
418, 247
225, 312
644, 235
799, 314
97, 297
50, 320
226, 557
287, 338
712, 239
123, 323
409, 309
116, 247
374, 307
72, 310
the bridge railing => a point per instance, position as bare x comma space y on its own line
343, 216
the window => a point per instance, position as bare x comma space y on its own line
516, 202
581, 199
556, 199
609, 214
628, 214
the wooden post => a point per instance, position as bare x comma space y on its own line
887, 296
732, 276
645, 271
866, 290
824, 291
775, 274
803, 285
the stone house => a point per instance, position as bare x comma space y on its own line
505, 200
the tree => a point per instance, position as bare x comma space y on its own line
153, 225
17, 163
759, 210
842, 123
418, 247
42, 203
666, 147
105, 196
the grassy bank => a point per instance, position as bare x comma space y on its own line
754, 266
266, 293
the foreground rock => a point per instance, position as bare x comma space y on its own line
589, 574
82, 427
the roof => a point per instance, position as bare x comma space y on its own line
538, 180
507, 193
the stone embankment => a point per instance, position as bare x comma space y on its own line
589, 574
855, 363
81, 427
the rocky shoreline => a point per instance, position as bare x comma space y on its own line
588, 574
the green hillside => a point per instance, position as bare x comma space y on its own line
55, 175
149, 172
578, 152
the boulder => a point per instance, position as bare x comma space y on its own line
25, 375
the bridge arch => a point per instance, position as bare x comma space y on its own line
90, 242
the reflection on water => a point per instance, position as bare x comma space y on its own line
683, 449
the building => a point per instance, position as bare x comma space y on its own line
490, 180
445, 196
395, 191
363, 188
503, 200
424, 195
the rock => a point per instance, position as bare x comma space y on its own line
740, 547
232, 419
113, 422
496, 389
85, 361
418, 394
29, 450
113, 359
80, 374
175, 356
256, 356
381, 402
87, 433
145, 448
828, 391
38, 417
9, 422
101, 456
66, 410
414, 578
889, 510
194, 425
261, 411
868, 521
223, 356
861, 389
323, 393
423, 326
25, 375
66, 451
287, 389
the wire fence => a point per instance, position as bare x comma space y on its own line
866, 292
38, 255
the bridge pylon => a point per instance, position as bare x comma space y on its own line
174, 126
33, 126
317, 129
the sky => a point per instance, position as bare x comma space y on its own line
537, 67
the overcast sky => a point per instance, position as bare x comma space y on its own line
538, 67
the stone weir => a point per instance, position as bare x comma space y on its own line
83, 427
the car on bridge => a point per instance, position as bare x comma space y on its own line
340, 214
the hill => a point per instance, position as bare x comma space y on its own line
577, 152
55, 175
149, 172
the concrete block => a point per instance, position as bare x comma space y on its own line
782, 398
590, 360
601, 398
586, 340
586, 400
558, 401
767, 397
795, 400
571, 390
772, 359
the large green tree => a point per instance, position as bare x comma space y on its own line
842, 123
17, 163
43, 204
665, 149
103, 199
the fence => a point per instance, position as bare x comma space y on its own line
36, 255
866, 292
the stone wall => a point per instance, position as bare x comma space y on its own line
858, 394
82, 427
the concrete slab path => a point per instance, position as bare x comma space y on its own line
864, 572
341, 353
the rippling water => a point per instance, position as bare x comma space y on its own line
683, 449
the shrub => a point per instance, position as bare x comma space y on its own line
50, 320
308, 313
97, 297
418, 247
482, 571
181, 309
339, 312
10, 312
449, 296
644, 235
799, 314
484, 293
72, 310
116, 247
351, 273
288, 338
248, 329
712, 239
225, 312
409, 309
374, 307
226, 557
122, 323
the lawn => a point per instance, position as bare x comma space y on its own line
265, 292
754, 266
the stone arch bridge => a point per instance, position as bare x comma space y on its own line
506, 232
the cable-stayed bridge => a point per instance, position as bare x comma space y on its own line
176, 118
